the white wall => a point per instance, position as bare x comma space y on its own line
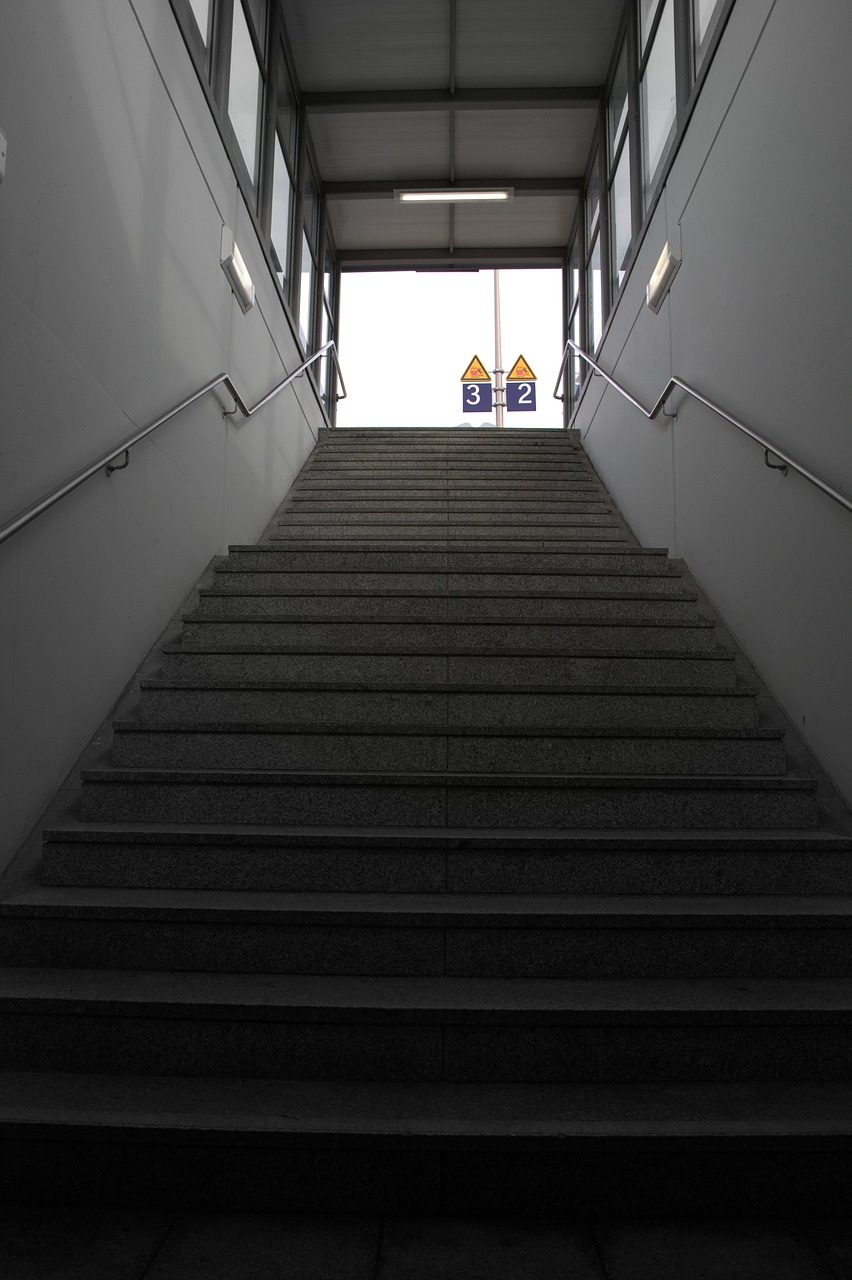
760, 319
113, 307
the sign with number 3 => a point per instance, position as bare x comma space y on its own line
476, 397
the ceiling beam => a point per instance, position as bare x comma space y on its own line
384, 188
343, 103
408, 259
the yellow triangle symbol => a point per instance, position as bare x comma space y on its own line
520, 372
476, 372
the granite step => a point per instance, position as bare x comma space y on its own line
568, 540
343, 860
598, 520
547, 712
322, 504
156, 744
485, 1030
422, 935
582, 557
246, 610
640, 668
229, 582
626, 631
530, 801
570, 1150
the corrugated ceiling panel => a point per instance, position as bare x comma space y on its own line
369, 44
525, 222
523, 144
404, 144
371, 224
539, 42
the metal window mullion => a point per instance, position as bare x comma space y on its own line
223, 26
318, 302
634, 120
269, 125
652, 35
298, 212
604, 219
683, 58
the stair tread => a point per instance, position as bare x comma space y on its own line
240, 995
68, 829
497, 909
759, 733
257, 777
592, 690
346, 1110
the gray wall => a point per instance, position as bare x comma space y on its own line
759, 319
113, 307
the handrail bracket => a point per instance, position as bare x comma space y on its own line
121, 465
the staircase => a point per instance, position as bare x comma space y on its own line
444, 862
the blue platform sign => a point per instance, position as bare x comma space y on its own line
476, 397
520, 397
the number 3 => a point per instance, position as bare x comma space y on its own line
473, 392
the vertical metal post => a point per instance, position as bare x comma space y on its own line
500, 400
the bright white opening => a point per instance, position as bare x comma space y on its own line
451, 196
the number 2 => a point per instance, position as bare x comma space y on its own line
525, 393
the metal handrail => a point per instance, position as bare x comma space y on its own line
105, 460
768, 447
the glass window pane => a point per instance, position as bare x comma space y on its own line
620, 215
326, 362
574, 271
576, 362
311, 206
659, 101
593, 199
595, 296
617, 106
328, 275
201, 13
257, 10
244, 90
306, 293
647, 13
703, 12
285, 106
282, 201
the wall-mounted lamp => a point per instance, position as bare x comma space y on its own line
236, 270
664, 272
455, 195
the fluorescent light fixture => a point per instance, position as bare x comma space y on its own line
455, 195
236, 270
660, 282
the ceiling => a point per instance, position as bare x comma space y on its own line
434, 92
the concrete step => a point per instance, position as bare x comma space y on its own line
713, 669
423, 935
235, 582
468, 800
322, 504
523, 714
343, 860
569, 1150
155, 744
425, 1028
516, 468
582, 557
584, 536
247, 610
568, 515
598, 520
627, 631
